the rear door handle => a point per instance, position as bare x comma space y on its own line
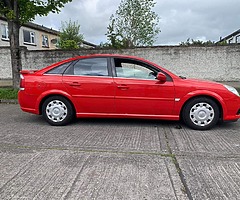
75, 84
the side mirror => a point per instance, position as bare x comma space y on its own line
161, 77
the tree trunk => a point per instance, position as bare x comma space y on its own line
13, 28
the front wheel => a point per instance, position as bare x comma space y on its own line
201, 113
57, 110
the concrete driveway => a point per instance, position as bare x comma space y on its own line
116, 159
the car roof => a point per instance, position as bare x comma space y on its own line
91, 56
109, 55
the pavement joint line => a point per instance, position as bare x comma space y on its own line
171, 179
207, 155
168, 170
87, 150
177, 166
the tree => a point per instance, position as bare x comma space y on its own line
70, 38
18, 12
134, 24
192, 42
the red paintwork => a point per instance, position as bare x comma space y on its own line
120, 97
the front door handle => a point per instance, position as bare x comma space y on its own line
123, 87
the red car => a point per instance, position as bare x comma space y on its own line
118, 86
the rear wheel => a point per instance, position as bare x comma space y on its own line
201, 113
57, 110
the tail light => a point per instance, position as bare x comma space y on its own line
22, 82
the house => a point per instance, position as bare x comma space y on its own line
233, 38
34, 36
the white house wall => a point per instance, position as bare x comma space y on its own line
38, 39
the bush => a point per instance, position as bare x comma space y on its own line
8, 93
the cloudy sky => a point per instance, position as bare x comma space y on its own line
179, 19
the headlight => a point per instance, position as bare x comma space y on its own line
232, 89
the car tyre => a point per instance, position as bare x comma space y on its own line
57, 111
201, 113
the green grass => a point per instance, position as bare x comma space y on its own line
8, 93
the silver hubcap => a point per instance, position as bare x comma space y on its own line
56, 111
202, 114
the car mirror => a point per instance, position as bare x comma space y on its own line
161, 77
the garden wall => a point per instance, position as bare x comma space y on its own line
218, 63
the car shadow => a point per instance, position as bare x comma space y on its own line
124, 122
39, 120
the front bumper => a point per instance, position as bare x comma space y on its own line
233, 110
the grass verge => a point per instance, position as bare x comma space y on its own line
8, 93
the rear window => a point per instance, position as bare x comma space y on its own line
59, 69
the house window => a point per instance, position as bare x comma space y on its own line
238, 39
4, 31
45, 42
28, 37
230, 41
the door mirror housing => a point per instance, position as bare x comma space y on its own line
161, 77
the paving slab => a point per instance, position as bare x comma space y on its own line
209, 161
59, 174
211, 177
224, 139
105, 134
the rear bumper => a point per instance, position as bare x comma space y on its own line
29, 110
27, 102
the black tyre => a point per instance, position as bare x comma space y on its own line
57, 111
201, 113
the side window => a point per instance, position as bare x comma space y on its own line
133, 69
59, 69
91, 67
45, 42
4, 30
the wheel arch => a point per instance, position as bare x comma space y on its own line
216, 100
43, 99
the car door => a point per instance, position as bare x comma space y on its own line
138, 92
90, 83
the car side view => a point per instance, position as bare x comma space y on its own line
119, 86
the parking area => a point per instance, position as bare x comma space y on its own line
116, 159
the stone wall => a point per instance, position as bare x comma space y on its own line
219, 63
5, 63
